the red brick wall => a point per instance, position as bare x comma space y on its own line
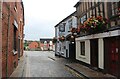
0, 42
8, 57
33, 45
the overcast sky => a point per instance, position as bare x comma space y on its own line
42, 15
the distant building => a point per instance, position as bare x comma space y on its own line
33, 45
46, 44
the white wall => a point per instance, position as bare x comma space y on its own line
65, 43
74, 21
101, 53
74, 24
67, 46
85, 58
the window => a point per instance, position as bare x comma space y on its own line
115, 8
15, 8
62, 28
114, 12
82, 48
16, 4
15, 39
83, 19
70, 23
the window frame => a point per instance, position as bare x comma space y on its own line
62, 28
83, 18
82, 48
15, 38
70, 24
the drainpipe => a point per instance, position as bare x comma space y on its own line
1, 39
7, 47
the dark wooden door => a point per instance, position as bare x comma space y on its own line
112, 60
94, 52
72, 50
113, 57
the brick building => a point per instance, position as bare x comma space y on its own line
12, 35
34, 45
46, 44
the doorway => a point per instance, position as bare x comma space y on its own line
94, 52
112, 56
72, 50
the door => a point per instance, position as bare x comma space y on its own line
112, 62
94, 52
18, 48
113, 57
72, 50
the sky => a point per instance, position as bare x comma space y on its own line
42, 15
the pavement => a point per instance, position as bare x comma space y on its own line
85, 71
20, 70
89, 73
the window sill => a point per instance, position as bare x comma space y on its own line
83, 57
14, 52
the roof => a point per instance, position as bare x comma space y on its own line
45, 39
77, 4
74, 13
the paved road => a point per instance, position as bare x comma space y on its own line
45, 64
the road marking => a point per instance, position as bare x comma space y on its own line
51, 58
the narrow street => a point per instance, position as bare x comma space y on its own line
45, 64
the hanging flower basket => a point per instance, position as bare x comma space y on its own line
62, 38
54, 40
81, 30
94, 25
73, 30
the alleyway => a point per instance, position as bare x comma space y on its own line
44, 64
